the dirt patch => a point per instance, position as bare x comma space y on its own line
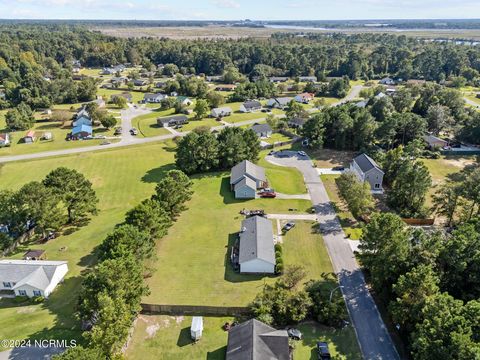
326, 158
26, 310
152, 330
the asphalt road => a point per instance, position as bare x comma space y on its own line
30, 353
373, 337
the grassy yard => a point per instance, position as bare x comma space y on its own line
207, 122
147, 124
107, 93
193, 259
276, 137
168, 338
350, 225
285, 180
121, 179
327, 158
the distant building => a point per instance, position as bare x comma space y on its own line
307, 78
435, 142
4, 139
296, 123
184, 100
304, 98
387, 81
221, 112
31, 277
226, 87
171, 121
126, 95
279, 79
250, 106
254, 340
82, 131
262, 130
279, 103
30, 137
140, 82
367, 170
154, 98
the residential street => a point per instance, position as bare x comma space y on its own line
373, 336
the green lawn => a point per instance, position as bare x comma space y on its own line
342, 343
168, 338
147, 124
349, 224
192, 265
107, 93
283, 179
303, 245
121, 179
207, 122
276, 137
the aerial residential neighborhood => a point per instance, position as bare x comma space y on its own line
179, 188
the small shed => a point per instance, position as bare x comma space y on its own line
196, 328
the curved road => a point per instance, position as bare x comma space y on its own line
372, 334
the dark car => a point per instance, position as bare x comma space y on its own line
118, 131
338, 168
289, 226
133, 131
294, 334
322, 351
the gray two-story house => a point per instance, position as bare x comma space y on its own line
367, 170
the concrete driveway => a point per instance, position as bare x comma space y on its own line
30, 353
372, 335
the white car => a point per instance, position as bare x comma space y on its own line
302, 153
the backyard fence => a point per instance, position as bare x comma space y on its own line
194, 310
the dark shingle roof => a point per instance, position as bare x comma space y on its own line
174, 118
366, 163
261, 128
252, 104
254, 340
256, 240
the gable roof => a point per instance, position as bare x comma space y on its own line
261, 128
252, 104
431, 139
246, 181
224, 109
168, 119
149, 96
297, 121
366, 163
254, 340
256, 240
282, 101
82, 128
36, 273
247, 168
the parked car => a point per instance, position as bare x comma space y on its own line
133, 131
282, 154
302, 153
118, 131
100, 137
105, 143
338, 168
294, 334
288, 226
267, 194
322, 351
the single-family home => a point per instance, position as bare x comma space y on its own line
154, 98
29, 137
387, 81
390, 91
34, 255
307, 78
226, 87
47, 135
31, 277
246, 178
140, 82
435, 142
82, 131
213, 78
304, 98
108, 71
296, 123
262, 130
362, 104
254, 340
221, 112
171, 121
279, 79
380, 96
160, 84
82, 120
119, 80
367, 170
126, 95
4, 139
256, 253
279, 103
251, 105
184, 100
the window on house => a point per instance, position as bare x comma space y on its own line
377, 186
37, 293
22, 293
7, 284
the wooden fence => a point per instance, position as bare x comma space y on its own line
194, 310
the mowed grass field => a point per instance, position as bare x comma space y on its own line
193, 259
283, 179
121, 179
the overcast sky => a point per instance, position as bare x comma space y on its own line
239, 9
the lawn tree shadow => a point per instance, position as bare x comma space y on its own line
184, 338
156, 174
233, 276
218, 354
49, 126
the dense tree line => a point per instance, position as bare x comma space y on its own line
36, 60
63, 197
429, 282
111, 293
202, 151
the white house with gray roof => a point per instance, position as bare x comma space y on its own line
250, 106
279, 103
246, 178
31, 277
367, 170
256, 248
221, 112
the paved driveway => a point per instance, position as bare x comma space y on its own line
30, 353
372, 335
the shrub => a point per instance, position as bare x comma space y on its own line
278, 248
278, 254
